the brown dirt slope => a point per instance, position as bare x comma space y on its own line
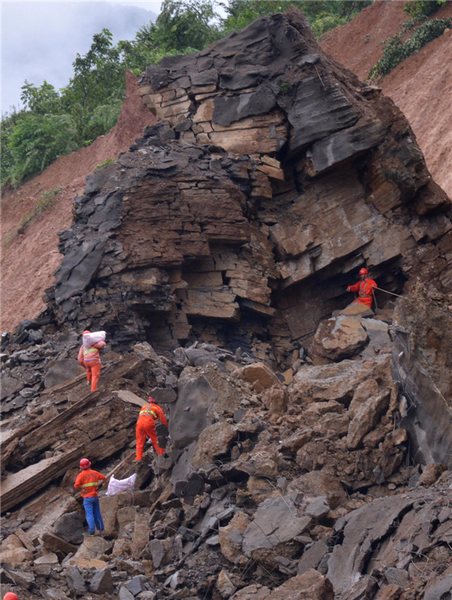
29, 259
421, 86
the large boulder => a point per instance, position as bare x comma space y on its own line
339, 338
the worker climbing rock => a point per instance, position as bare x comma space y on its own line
145, 428
88, 482
89, 356
364, 288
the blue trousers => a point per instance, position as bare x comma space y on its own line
92, 514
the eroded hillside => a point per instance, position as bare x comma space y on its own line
30, 253
420, 86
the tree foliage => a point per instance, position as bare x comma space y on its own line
37, 140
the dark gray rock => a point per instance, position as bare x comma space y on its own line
102, 582
70, 527
189, 416
229, 109
440, 588
158, 549
189, 488
124, 594
77, 269
345, 144
276, 521
246, 76
397, 576
428, 417
10, 386
61, 371
316, 111
318, 507
207, 77
135, 585
75, 580
362, 531
312, 556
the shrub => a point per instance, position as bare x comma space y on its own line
419, 8
104, 163
396, 50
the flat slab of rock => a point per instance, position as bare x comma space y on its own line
259, 376
276, 521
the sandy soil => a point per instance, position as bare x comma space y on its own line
29, 260
421, 86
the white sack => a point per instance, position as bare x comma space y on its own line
116, 486
89, 339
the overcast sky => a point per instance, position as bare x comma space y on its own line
39, 40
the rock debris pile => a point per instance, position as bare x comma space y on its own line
274, 485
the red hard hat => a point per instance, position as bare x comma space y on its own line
364, 271
85, 463
151, 399
10, 596
86, 331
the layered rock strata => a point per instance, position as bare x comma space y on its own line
273, 175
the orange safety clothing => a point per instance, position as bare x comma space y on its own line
364, 288
89, 358
93, 375
145, 428
88, 481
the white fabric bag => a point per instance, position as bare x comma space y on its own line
117, 486
89, 339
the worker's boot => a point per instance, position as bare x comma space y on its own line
144, 473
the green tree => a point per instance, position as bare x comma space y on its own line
98, 81
184, 24
8, 124
321, 14
41, 100
36, 141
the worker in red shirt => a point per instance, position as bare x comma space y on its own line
88, 481
364, 287
149, 415
89, 358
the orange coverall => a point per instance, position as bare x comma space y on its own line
364, 288
89, 358
149, 414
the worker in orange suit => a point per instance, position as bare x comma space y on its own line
149, 415
364, 288
88, 481
89, 358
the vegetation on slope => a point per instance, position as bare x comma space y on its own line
55, 122
399, 46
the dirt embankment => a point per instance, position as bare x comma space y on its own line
421, 86
29, 259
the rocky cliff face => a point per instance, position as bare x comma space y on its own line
273, 174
